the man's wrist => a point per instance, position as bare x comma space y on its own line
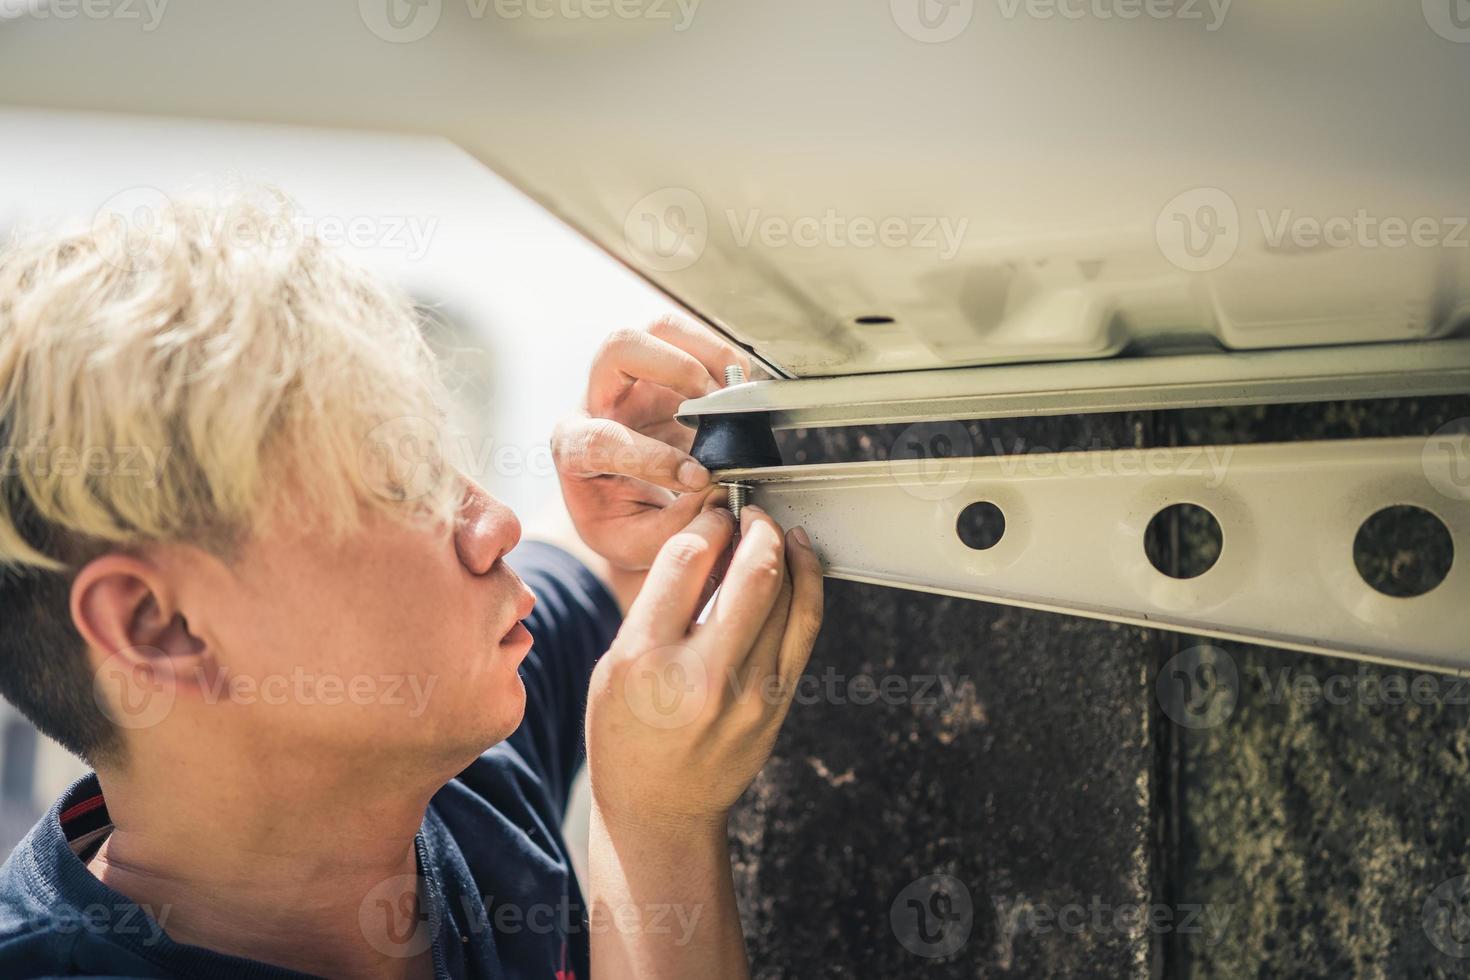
683, 865
675, 830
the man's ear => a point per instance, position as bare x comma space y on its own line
126, 611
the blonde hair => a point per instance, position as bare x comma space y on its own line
167, 373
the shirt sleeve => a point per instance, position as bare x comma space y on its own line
574, 622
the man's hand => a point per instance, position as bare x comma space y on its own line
680, 718
626, 474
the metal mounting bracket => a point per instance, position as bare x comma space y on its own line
1073, 539
1418, 369
1074, 522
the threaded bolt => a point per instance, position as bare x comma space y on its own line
736, 493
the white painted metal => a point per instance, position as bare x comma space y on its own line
1074, 533
855, 189
1009, 181
1120, 384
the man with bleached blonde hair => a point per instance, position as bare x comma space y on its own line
333, 708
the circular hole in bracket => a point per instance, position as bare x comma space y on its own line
981, 525
872, 321
1183, 541
1403, 551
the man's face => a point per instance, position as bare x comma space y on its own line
398, 645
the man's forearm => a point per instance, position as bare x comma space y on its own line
662, 903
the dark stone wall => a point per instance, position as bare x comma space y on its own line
1024, 780
1328, 808
1038, 811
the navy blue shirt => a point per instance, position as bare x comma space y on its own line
501, 899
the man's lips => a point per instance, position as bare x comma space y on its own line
518, 636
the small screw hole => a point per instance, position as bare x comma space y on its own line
1403, 551
981, 525
1183, 541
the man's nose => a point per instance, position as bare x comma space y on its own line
486, 530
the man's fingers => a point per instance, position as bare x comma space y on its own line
659, 523
587, 447
714, 497
764, 657
750, 589
635, 355
714, 353
630, 535
670, 596
804, 620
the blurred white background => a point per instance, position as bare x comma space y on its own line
526, 299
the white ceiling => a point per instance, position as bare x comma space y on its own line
1007, 180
